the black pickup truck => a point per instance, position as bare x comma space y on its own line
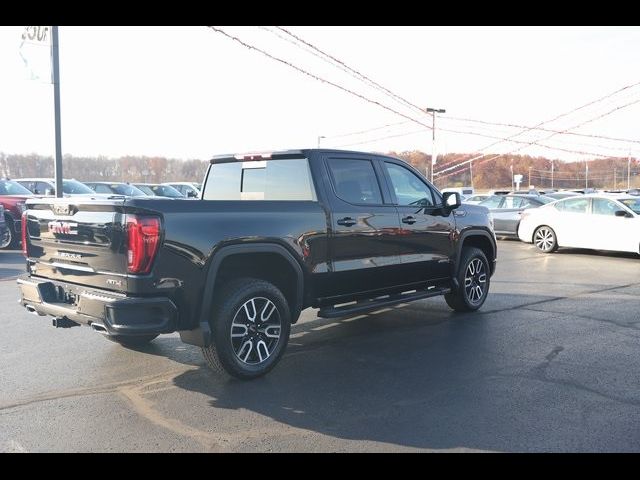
272, 234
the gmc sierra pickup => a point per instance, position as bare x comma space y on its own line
272, 234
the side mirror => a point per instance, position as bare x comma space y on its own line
622, 213
192, 194
451, 200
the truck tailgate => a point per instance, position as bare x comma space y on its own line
78, 240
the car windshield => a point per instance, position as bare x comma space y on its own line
128, 190
73, 187
632, 203
9, 187
166, 191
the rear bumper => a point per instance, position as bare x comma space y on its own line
111, 313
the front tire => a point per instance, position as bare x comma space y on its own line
250, 322
545, 240
473, 280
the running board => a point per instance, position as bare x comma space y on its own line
376, 303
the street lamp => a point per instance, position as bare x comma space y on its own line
434, 154
320, 137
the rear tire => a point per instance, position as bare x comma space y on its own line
250, 322
545, 240
131, 340
473, 280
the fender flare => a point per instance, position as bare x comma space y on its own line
473, 233
201, 336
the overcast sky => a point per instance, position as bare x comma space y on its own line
189, 92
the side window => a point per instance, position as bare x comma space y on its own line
28, 185
601, 206
355, 181
492, 202
42, 188
512, 202
100, 188
574, 205
408, 187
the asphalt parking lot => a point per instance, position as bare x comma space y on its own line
550, 363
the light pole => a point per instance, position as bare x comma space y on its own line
629, 171
512, 186
434, 154
586, 175
320, 137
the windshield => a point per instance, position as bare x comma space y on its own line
9, 187
166, 191
632, 203
128, 190
145, 189
73, 187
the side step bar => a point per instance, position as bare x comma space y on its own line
376, 303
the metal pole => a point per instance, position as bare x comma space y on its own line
513, 188
629, 171
433, 145
586, 175
434, 154
615, 182
319, 138
551, 174
471, 173
56, 105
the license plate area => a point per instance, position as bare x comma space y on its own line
51, 293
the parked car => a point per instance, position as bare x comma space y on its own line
595, 221
476, 199
12, 198
158, 190
115, 188
506, 210
346, 232
47, 186
188, 189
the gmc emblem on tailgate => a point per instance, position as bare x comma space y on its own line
65, 228
63, 209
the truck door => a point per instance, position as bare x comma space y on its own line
426, 244
364, 223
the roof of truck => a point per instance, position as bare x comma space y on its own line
282, 154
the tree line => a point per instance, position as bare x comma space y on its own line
605, 173
493, 174
126, 169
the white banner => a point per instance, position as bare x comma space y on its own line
35, 51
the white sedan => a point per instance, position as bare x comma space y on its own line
599, 222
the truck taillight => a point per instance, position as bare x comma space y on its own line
143, 240
23, 226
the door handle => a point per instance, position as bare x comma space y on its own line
346, 221
410, 220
